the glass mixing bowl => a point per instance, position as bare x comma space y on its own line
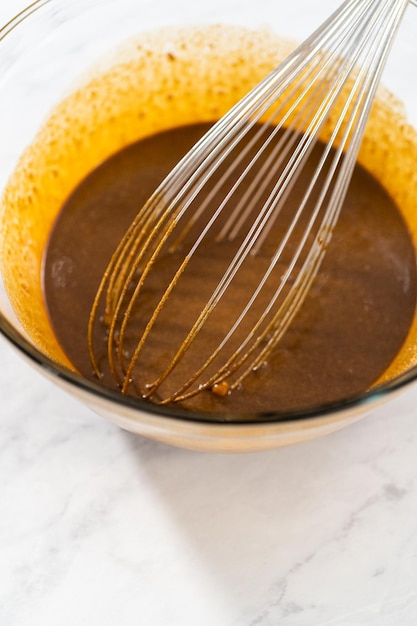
43, 53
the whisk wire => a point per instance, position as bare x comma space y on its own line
317, 250
245, 248
312, 262
182, 183
286, 114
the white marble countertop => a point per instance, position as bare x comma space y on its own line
99, 527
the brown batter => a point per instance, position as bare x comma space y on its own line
349, 330
360, 309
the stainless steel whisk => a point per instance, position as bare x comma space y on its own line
233, 190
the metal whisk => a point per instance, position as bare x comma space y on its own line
245, 218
